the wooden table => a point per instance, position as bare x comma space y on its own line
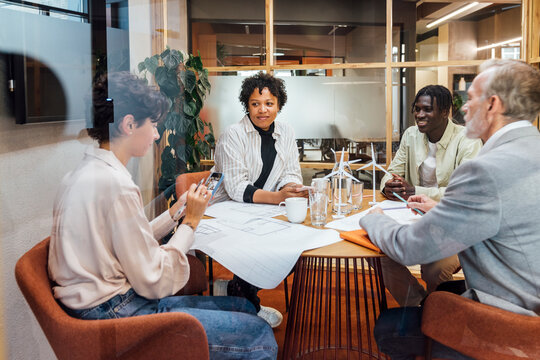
338, 292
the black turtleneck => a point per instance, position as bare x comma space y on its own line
268, 156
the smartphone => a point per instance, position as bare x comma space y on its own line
213, 182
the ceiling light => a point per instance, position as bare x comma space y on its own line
452, 14
518, 39
264, 54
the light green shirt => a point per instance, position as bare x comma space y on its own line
452, 150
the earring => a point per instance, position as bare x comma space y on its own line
131, 133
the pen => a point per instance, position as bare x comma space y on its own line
176, 216
405, 201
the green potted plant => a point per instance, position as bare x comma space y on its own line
186, 137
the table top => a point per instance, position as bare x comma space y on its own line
343, 249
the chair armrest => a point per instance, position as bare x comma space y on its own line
158, 336
478, 330
162, 336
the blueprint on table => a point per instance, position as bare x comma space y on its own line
240, 212
262, 251
395, 209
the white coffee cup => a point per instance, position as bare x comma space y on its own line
296, 208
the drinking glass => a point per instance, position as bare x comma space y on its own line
341, 195
318, 201
356, 195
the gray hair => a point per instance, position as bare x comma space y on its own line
517, 84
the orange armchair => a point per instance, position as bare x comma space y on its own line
183, 181
478, 330
157, 336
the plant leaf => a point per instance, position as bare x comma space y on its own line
167, 81
189, 79
151, 64
170, 59
190, 106
141, 66
200, 124
181, 152
203, 78
172, 139
165, 52
172, 119
161, 130
195, 62
182, 125
210, 139
177, 55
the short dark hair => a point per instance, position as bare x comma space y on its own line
441, 93
260, 81
118, 94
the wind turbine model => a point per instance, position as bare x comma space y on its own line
340, 171
373, 163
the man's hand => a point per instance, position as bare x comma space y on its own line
398, 185
376, 210
421, 202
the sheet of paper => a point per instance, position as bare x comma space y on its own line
262, 251
397, 210
240, 212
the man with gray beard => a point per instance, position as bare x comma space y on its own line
485, 214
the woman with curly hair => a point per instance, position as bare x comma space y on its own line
259, 159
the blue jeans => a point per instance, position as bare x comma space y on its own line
233, 329
398, 334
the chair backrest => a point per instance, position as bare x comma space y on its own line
184, 181
479, 330
33, 280
156, 336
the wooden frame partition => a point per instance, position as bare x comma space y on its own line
530, 32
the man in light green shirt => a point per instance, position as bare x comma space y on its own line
427, 155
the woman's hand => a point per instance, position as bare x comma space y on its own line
197, 201
421, 202
177, 206
398, 185
291, 190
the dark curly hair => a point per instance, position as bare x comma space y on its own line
127, 94
442, 94
260, 81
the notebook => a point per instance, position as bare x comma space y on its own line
361, 238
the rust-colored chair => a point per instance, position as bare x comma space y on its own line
478, 330
156, 336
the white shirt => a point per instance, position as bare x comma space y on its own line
428, 169
102, 243
513, 125
238, 157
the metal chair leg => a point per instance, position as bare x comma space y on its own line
427, 348
210, 276
286, 295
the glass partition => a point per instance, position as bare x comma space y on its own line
229, 33
329, 32
457, 30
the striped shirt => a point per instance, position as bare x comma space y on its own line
238, 157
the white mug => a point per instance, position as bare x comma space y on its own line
296, 209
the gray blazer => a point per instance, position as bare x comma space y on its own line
489, 216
